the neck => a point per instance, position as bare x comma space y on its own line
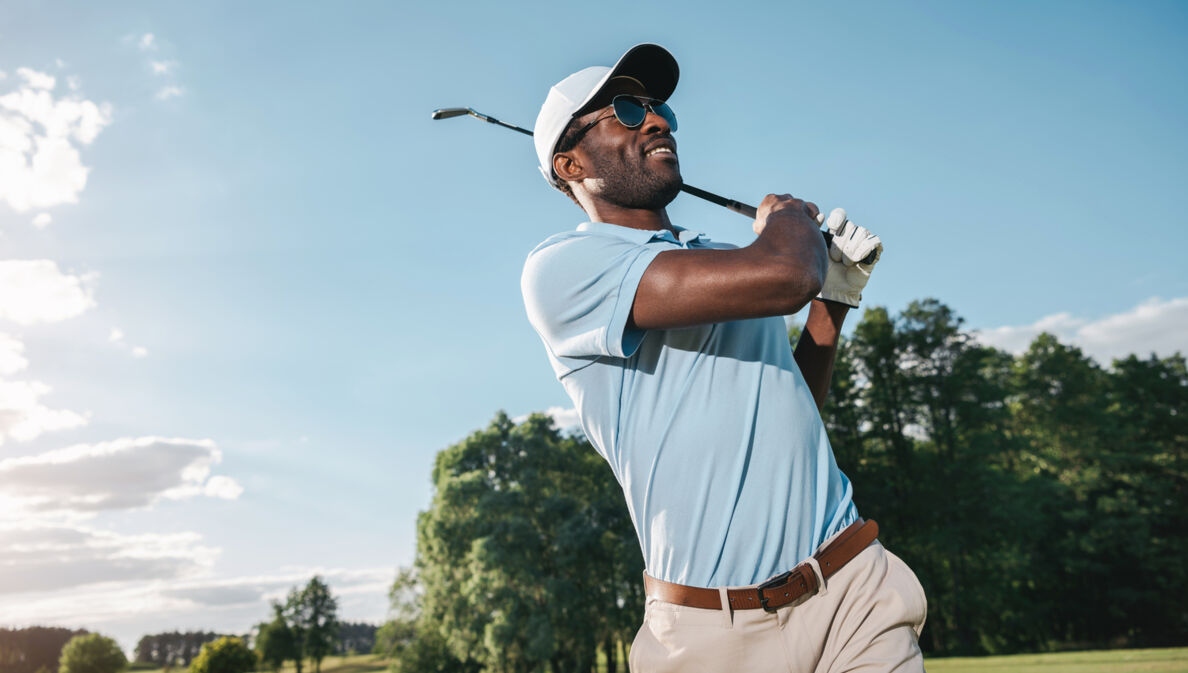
601, 211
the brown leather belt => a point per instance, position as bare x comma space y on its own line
779, 590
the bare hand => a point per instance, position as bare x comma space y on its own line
785, 210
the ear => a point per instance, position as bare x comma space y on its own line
568, 166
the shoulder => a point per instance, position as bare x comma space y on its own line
579, 249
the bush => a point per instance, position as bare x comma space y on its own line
225, 655
92, 653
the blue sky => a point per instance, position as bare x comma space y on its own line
250, 289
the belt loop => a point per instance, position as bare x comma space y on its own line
813, 563
727, 609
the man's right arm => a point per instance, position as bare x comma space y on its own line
778, 274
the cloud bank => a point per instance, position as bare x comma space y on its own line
121, 474
1154, 326
566, 419
54, 557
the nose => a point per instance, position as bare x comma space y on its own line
654, 123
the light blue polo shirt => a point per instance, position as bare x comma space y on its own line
711, 430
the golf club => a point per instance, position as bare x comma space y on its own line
730, 204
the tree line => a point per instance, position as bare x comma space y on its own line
173, 648
305, 627
1042, 499
34, 648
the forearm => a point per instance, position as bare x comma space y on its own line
817, 346
777, 274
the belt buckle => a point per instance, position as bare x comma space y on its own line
772, 583
781, 580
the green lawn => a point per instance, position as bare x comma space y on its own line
362, 663
1174, 660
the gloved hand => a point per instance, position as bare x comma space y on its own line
847, 275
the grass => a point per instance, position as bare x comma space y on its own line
1171, 660
360, 663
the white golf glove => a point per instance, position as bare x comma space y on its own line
847, 274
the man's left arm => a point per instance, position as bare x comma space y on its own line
817, 347
844, 280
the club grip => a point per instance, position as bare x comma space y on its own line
869, 259
749, 211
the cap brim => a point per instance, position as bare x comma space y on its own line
649, 64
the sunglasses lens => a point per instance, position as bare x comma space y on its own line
632, 111
629, 111
666, 112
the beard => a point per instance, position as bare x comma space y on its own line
631, 184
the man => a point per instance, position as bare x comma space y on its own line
675, 354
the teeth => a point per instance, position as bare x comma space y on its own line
657, 150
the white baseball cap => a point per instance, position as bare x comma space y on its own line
650, 64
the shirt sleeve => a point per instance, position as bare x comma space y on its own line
578, 291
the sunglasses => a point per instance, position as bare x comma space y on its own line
631, 111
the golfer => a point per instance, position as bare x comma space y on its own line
674, 351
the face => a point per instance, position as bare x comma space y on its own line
629, 167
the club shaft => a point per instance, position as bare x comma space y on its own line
492, 120
730, 204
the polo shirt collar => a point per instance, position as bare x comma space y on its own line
641, 236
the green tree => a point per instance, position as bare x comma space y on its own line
1144, 506
92, 653
1057, 412
294, 612
312, 614
428, 652
274, 641
32, 648
225, 655
930, 406
521, 554
404, 599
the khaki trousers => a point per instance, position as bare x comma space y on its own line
867, 618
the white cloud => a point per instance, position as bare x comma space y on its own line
35, 290
28, 295
1154, 326
147, 42
36, 80
23, 417
565, 419
116, 336
167, 92
43, 557
162, 67
222, 487
42, 220
40, 165
121, 474
12, 356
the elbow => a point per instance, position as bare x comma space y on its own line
801, 283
